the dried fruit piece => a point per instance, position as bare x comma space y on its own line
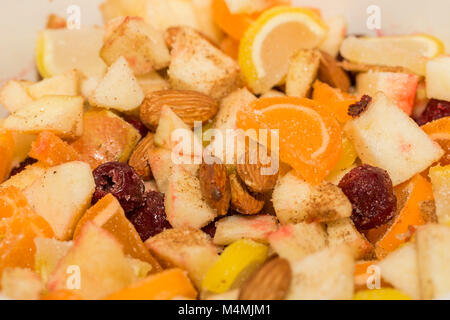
242, 200
359, 107
150, 219
215, 186
236, 263
439, 131
140, 158
122, 182
255, 168
436, 109
51, 150
7, 151
270, 282
189, 105
370, 191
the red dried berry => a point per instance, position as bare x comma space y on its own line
150, 219
28, 161
121, 181
436, 109
356, 109
370, 191
137, 124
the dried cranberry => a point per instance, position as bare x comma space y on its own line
210, 229
121, 181
137, 124
356, 109
370, 191
28, 161
435, 110
150, 218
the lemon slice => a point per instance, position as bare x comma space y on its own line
236, 263
62, 50
381, 294
410, 52
272, 39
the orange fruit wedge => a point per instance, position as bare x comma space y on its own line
333, 100
439, 131
51, 150
6, 152
109, 215
165, 285
62, 294
411, 194
19, 225
270, 42
230, 47
310, 140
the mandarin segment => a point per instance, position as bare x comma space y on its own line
7, 153
51, 150
439, 131
309, 140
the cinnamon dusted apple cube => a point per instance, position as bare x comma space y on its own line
440, 179
438, 78
296, 241
385, 137
14, 95
233, 228
21, 284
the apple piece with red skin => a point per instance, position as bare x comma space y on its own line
106, 137
401, 88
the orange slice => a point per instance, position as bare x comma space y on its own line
272, 39
6, 152
52, 150
439, 131
310, 140
230, 47
399, 231
165, 285
62, 294
333, 100
109, 215
19, 225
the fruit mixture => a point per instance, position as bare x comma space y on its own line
96, 204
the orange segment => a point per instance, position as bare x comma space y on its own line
439, 131
19, 225
162, 286
62, 294
6, 152
333, 100
109, 215
230, 47
399, 231
310, 140
361, 272
52, 150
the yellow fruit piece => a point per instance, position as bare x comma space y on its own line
237, 262
348, 156
272, 39
410, 52
381, 294
62, 50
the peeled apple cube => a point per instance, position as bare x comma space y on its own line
440, 179
438, 79
385, 137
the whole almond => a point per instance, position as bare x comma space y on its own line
215, 186
360, 67
270, 282
189, 105
252, 167
139, 159
331, 72
241, 199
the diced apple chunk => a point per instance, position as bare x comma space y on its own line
184, 203
62, 195
139, 43
295, 201
67, 84
438, 78
302, 72
399, 87
343, 232
25, 178
21, 284
151, 82
400, 270
440, 179
229, 107
190, 249
296, 241
233, 228
97, 261
337, 29
433, 255
14, 95
62, 115
385, 137
197, 65
48, 253
324, 275
119, 89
